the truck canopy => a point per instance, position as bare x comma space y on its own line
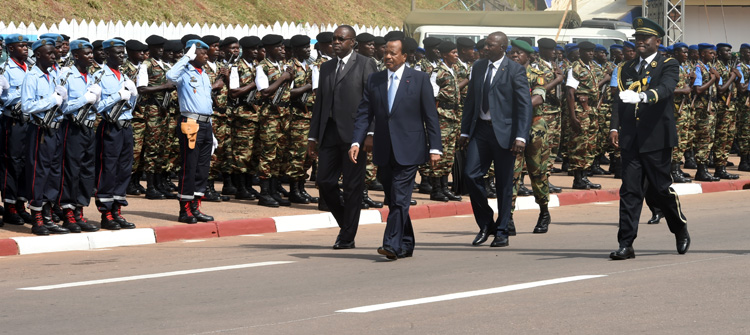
531, 19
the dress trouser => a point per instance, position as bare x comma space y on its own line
114, 164
398, 181
43, 161
14, 148
196, 162
78, 147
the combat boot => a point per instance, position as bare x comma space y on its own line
82, 222
677, 177
371, 203
195, 209
242, 192
447, 191
690, 160
437, 191
721, 173
596, 169
523, 191
578, 183
703, 174
590, 184
542, 223
265, 198
424, 184
313, 200
565, 165
162, 183
117, 215
132, 189
280, 188
210, 193
152, 193
69, 221
511, 226
108, 221
553, 188
251, 180
489, 185
375, 185
21, 209
295, 196
228, 188
37, 225
744, 163
47, 219
186, 213
10, 215
274, 193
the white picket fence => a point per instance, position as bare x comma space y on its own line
139, 31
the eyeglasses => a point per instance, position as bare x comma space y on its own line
341, 39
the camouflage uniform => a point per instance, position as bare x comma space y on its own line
95, 67
425, 66
138, 123
582, 146
273, 123
154, 150
551, 112
605, 111
743, 114
172, 145
244, 124
690, 110
725, 117
536, 153
682, 116
705, 118
448, 99
565, 135
222, 156
299, 124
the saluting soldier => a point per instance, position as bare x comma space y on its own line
77, 138
726, 109
15, 126
706, 80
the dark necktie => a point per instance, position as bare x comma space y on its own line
486, 89
642, 68
340, 70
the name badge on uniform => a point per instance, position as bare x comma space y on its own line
193, 80
629, 82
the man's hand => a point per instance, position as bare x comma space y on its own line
434, 159
224, 71
518, 147
368, 143
353, 153
575, 124
62, 91
462, 142
614, 138
312, 149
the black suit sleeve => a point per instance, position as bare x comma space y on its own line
430, 114
670, 73
522, 102
317, 108
363, 121
370, 68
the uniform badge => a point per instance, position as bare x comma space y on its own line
193, 80
540, 81
639, 23
653, 64
20, 38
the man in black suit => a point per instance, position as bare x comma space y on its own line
342, 80
644, 129
401, 103
494, 128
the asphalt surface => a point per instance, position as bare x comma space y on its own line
531, 287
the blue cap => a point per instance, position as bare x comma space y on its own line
600, 47
628, 44
679, 45
744, 46
41, 42
57, 38
113, 43
571, 47
693, 47
536, 49
670, 48
80, 44
662, 48
704, 46
615, 46
16, 38
559, 47
198, 44
724, 45
508, 48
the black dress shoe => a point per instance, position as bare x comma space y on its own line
683, 241
482, 237
655, 218
500, 241
511, 227
622, 253
343, 245
405, 254
413, 202
542, 224
388, 252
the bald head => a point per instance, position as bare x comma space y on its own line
495, 45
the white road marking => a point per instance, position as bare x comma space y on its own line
150, 276
469, 294
252, 235
102, 249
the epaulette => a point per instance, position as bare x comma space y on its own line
668, 59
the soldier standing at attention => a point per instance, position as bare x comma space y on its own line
379, 52
100, 57
743, 109
551, 106
726, 109
428, 64
325, 45
681, 112
706, 80
582, 96
114, 148
136, 55
604, 70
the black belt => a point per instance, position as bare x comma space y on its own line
197, 117
122, 123
489, 122
445, 105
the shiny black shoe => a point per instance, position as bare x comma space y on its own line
388, 252
117, 215
481, 237
186, 214
424, 185
108, 222
405, 254
655, 217
591, 185
196, 211
344, 245
511, 226
622, 253
371, 203
542, 223
721, 173
683, 241
69, 221
524, 191
132, 189
375, 186
500, 241
704, 175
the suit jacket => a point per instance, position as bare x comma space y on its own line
411, 129
509, 98
652, 126
340, 98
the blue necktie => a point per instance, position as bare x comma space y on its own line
486, 89
392, 88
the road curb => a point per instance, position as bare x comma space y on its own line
108, 239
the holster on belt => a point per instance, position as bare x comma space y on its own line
190, 129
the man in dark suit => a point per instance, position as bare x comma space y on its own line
342, 80
644, 129
401, 104
494, 128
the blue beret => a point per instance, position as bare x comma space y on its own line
15, 38
571, 47
670, 48
113, 43
559, 47
41, 42
198, 44
628, 44
723, 45
615, 46
745, 46
536, 49
599, 47
662, 48
509, 47
703, 46
693, 47
679, 45
421, 50
80, 44
52, 36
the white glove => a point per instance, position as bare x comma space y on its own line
58, 99
62, 91
124, 94
4, 85
130, 86
630, 97
90, 97
214, 145
191, 52
95, 89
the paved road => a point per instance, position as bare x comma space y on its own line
293, 283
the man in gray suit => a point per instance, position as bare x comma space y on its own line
342, 80
494, 128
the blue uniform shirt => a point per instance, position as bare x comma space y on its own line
613, 81
36, 92
77, 86
111, 87
15, 75
698, 77
193, 88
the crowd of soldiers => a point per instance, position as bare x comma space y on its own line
57, 155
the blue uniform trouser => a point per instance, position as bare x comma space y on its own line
43, 161
114, 164
78, 146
